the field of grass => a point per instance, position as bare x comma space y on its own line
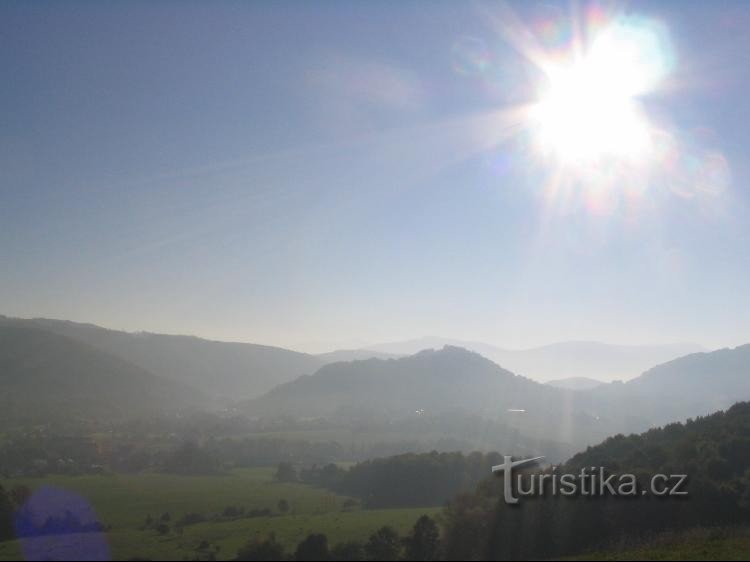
124, 501
696, 544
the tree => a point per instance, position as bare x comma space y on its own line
350, 505
6, 516
267, 549
384, 544
314, 547
20, 495
285, 472
345, 551
424, 541
283, 506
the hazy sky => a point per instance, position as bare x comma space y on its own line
328, 174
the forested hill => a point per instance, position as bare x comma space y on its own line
449, 379
220, 369
716, 447
46, 376
452, 379
713, 451
695, 385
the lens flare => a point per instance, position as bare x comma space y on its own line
588, 109
583, 94
56, 524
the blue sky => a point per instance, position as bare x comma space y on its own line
328, 174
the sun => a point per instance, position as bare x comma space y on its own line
588, 108
582, 118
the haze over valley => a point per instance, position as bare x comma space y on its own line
375, 281
446, 398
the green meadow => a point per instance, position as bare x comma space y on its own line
694, 544
123, 502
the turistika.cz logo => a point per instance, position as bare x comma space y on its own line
590, 481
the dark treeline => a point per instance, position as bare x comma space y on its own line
418, 480
6, 516
714, 451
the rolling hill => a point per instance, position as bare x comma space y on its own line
46, 376
219, 369
713, 452
432, 385
450, 379
689, 386
454, 380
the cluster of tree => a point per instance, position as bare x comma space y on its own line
410, 480
423, 543
11, 502
6, 516
19, 519
162, 525
65, 524
36, 452
713, 451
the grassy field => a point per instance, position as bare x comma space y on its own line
124, 501
696, 544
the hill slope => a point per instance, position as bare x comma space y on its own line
713, 451
690, 386
455, 380
430, 385
450, 379
45, 376
220, 369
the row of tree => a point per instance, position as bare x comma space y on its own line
423, 543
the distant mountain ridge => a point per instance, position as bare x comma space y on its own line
354, 355
454, 379
267, 382
239, 371
442, 382
562, 360
693, 385
407, 384
220, 369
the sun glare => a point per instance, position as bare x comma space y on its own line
588, 107
581, 117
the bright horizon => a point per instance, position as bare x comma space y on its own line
327, 347
316, 178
